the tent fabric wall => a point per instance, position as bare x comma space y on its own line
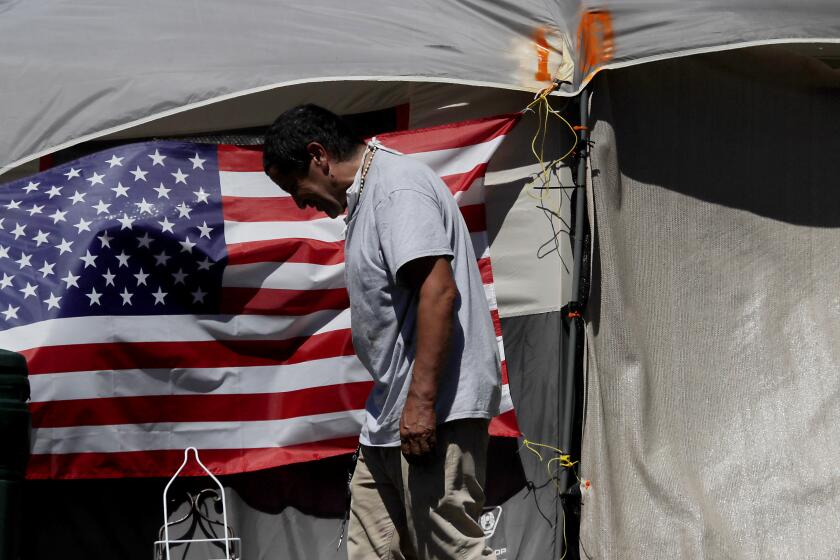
713, 400
294, 512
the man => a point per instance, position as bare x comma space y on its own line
421, 327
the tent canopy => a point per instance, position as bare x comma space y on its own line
75, 71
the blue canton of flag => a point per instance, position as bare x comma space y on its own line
136, 233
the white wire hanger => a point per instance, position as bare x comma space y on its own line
163, 545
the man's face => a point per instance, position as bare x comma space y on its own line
314, 189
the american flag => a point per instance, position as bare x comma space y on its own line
167, 294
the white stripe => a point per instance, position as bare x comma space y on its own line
323, 229
506, 402
202, 435
197, 381
455, 161
167, 328
249, 184
290, 276
474, 194
501, 347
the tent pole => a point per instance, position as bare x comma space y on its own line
574, 303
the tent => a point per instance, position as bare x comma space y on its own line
710, 411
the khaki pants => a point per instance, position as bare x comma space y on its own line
425, 512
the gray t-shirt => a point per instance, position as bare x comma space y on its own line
406, 212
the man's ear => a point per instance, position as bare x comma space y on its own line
320, 156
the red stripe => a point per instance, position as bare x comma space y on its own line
448, 136
200, 408
287, 250
497, 323
162, 463
486, 270
181, 354
505, 378
463, 181
267, 209
240, 158
475, 217
444, 137
505, 425
272, 301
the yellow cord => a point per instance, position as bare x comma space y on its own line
544, 110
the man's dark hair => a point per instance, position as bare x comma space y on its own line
292, 131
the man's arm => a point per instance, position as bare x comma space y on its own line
432, 278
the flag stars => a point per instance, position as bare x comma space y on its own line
205, 264
29, 290
144, 207
105, 239
101, 207
64, 246
94, 297
4, 252
18, 231
125, 222
198, 295
58, 216
197, 162
186, 245
73, 173
141, 277
41, 238
120, 190
144, 241
109, 277
95, 179
157, 159
47, 269
180, 177
24, 260
180, 276
126, 296
205, 230
90, 260
200, 195
13, 205
83, 225
166, 225
123, 259
114, 161
162, 191
54, 191
35, 209
32, 186
160, 296
161, 258
11, 312
70, 280
139, 174
6, 281
77, 197
183, 210
52, 302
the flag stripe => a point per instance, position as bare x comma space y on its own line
227, 380
454, 135
267, 209
321, 230
165, 328
200, 408
182, 354
288, 276
287, 250
269, 301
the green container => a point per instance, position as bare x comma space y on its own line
14, 449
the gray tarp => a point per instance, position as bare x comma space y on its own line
713, 410
74, 70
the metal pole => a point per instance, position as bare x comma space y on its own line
577, 272
14, 453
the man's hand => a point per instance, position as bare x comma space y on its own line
417, 428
